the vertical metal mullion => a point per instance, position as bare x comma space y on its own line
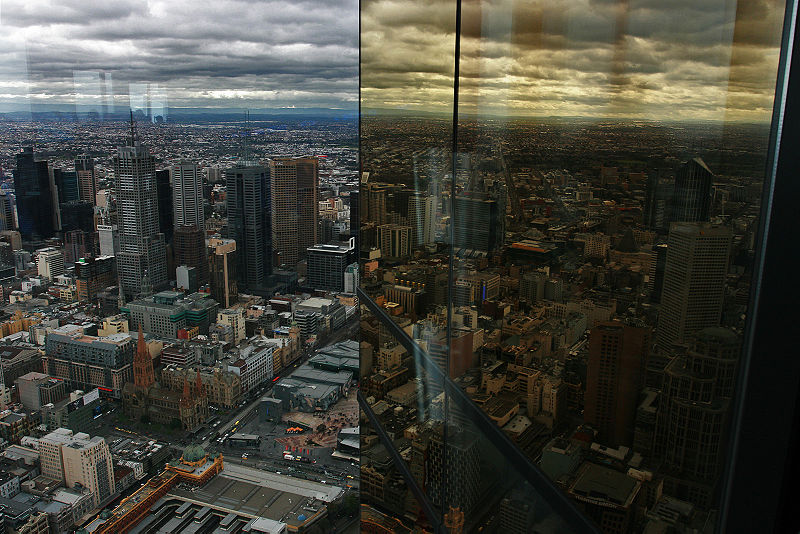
451, 263
398, 461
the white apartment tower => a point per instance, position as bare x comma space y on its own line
50, 262
187, 195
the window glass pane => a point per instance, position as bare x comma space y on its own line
601, 209
611, 158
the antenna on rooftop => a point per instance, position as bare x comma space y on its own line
134, 135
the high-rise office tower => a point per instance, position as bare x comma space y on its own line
189, 248
142, 248
187, 195
694, 280
478, 224
77, 215
327, 263
613, 379
294, 207
87, 178
247, 197
67, 185
692, 195
355, 223
222, 271
78, 244
6, 212
165, 212
693, 414
35, 193
452, 468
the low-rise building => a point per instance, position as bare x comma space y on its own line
167, 312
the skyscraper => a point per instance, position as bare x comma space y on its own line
142, 248
35, 194
478, 223
422, 218
247, 196
694, 280
692, 195
187, 195
294, 207
87, 178
693, 414
67, 185
613, 379
222, 271
165, 211
355, 224
189, 248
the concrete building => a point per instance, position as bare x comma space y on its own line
693, 414
617, 353
187, 195
49, 263
294, 183
87, 178
697, 261
606, 496
75, 412
351, 278
254, 364
78, 459
142, 245
87, 362
327, 265
222, 271
233, 317
394, 240
167, 312
37, 389
108, 237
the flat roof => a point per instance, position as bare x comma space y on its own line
596, 482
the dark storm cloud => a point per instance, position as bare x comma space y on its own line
639, 58
223, 53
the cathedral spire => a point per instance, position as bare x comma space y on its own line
186, 398
198, 385
143, 374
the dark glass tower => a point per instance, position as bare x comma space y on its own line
692, 197
34, 192
247, 194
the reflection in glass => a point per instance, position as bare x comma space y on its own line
573, 252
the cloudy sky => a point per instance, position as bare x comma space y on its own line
179, 53
650, 59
